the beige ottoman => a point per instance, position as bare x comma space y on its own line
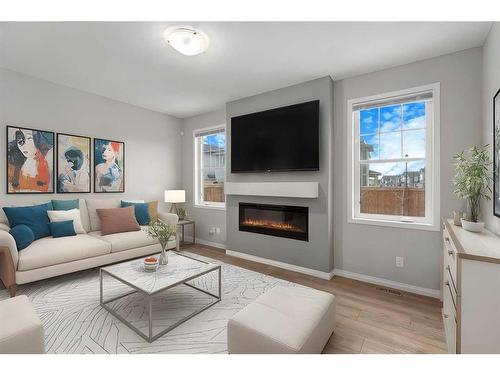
21, 330
283, 320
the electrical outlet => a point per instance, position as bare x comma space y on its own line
400, 262
211, 231
217, 230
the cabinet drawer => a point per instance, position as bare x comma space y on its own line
449, 258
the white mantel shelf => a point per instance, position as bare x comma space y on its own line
273, 189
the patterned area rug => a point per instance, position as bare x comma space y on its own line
74, 321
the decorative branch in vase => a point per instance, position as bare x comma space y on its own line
164, 233
472, 183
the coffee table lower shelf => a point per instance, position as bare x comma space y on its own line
149, 298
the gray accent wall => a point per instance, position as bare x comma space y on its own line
316, 254
205, 218
491, 84
369, 249
152, 139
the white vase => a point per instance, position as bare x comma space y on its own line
472, 226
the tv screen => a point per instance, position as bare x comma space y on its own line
281, 139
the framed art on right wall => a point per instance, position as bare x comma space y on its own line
496, 154
109, 166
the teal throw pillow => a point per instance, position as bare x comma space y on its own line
23, 236
35, 217
62, 228
65, 205
141, 212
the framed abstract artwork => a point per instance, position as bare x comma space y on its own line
30, 161
109, 166
73, 163
496, 154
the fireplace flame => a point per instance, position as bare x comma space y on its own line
272, 224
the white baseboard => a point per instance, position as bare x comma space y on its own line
388, 283
208, 243
435, 293
287, 266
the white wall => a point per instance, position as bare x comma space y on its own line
152, 139
205, 218
491, 84
371, 250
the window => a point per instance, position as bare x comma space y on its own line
210, 167
394, 158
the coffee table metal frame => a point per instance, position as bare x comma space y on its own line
149, 298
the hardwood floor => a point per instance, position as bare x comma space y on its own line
370, 319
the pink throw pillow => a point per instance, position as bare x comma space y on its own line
117, 220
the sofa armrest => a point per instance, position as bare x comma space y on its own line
6, 240
168, 218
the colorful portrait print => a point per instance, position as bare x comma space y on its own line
73, 164
109, 166
30, 161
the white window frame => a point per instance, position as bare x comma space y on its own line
197, 171
432, 157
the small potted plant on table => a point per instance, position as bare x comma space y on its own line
164, 233
472, 183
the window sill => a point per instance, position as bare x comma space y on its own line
395, 224
209, 207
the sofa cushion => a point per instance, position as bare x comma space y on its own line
49, 251
65, 205
34, 217
93, 205
141, 212
73, 214
23, 235
62, 228
153, 210
84, 214
118, 220
128, 240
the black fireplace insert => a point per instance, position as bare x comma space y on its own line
280, 221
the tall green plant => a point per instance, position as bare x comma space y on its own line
472, 179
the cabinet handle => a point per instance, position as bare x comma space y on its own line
451, 294
451, 278
446, 316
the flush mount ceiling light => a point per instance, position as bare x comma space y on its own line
186, 40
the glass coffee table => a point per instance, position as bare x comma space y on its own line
180, 270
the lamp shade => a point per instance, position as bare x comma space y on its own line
175, 196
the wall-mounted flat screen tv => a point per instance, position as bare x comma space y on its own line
280, 139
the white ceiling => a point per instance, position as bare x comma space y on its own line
130, 61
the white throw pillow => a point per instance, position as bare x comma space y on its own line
74, 214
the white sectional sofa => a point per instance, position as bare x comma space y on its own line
49, 257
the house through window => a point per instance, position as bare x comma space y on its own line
210, 167
393, 156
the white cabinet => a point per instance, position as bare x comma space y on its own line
471, 290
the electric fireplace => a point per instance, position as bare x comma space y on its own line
272, 220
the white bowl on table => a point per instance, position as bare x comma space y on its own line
150, 264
